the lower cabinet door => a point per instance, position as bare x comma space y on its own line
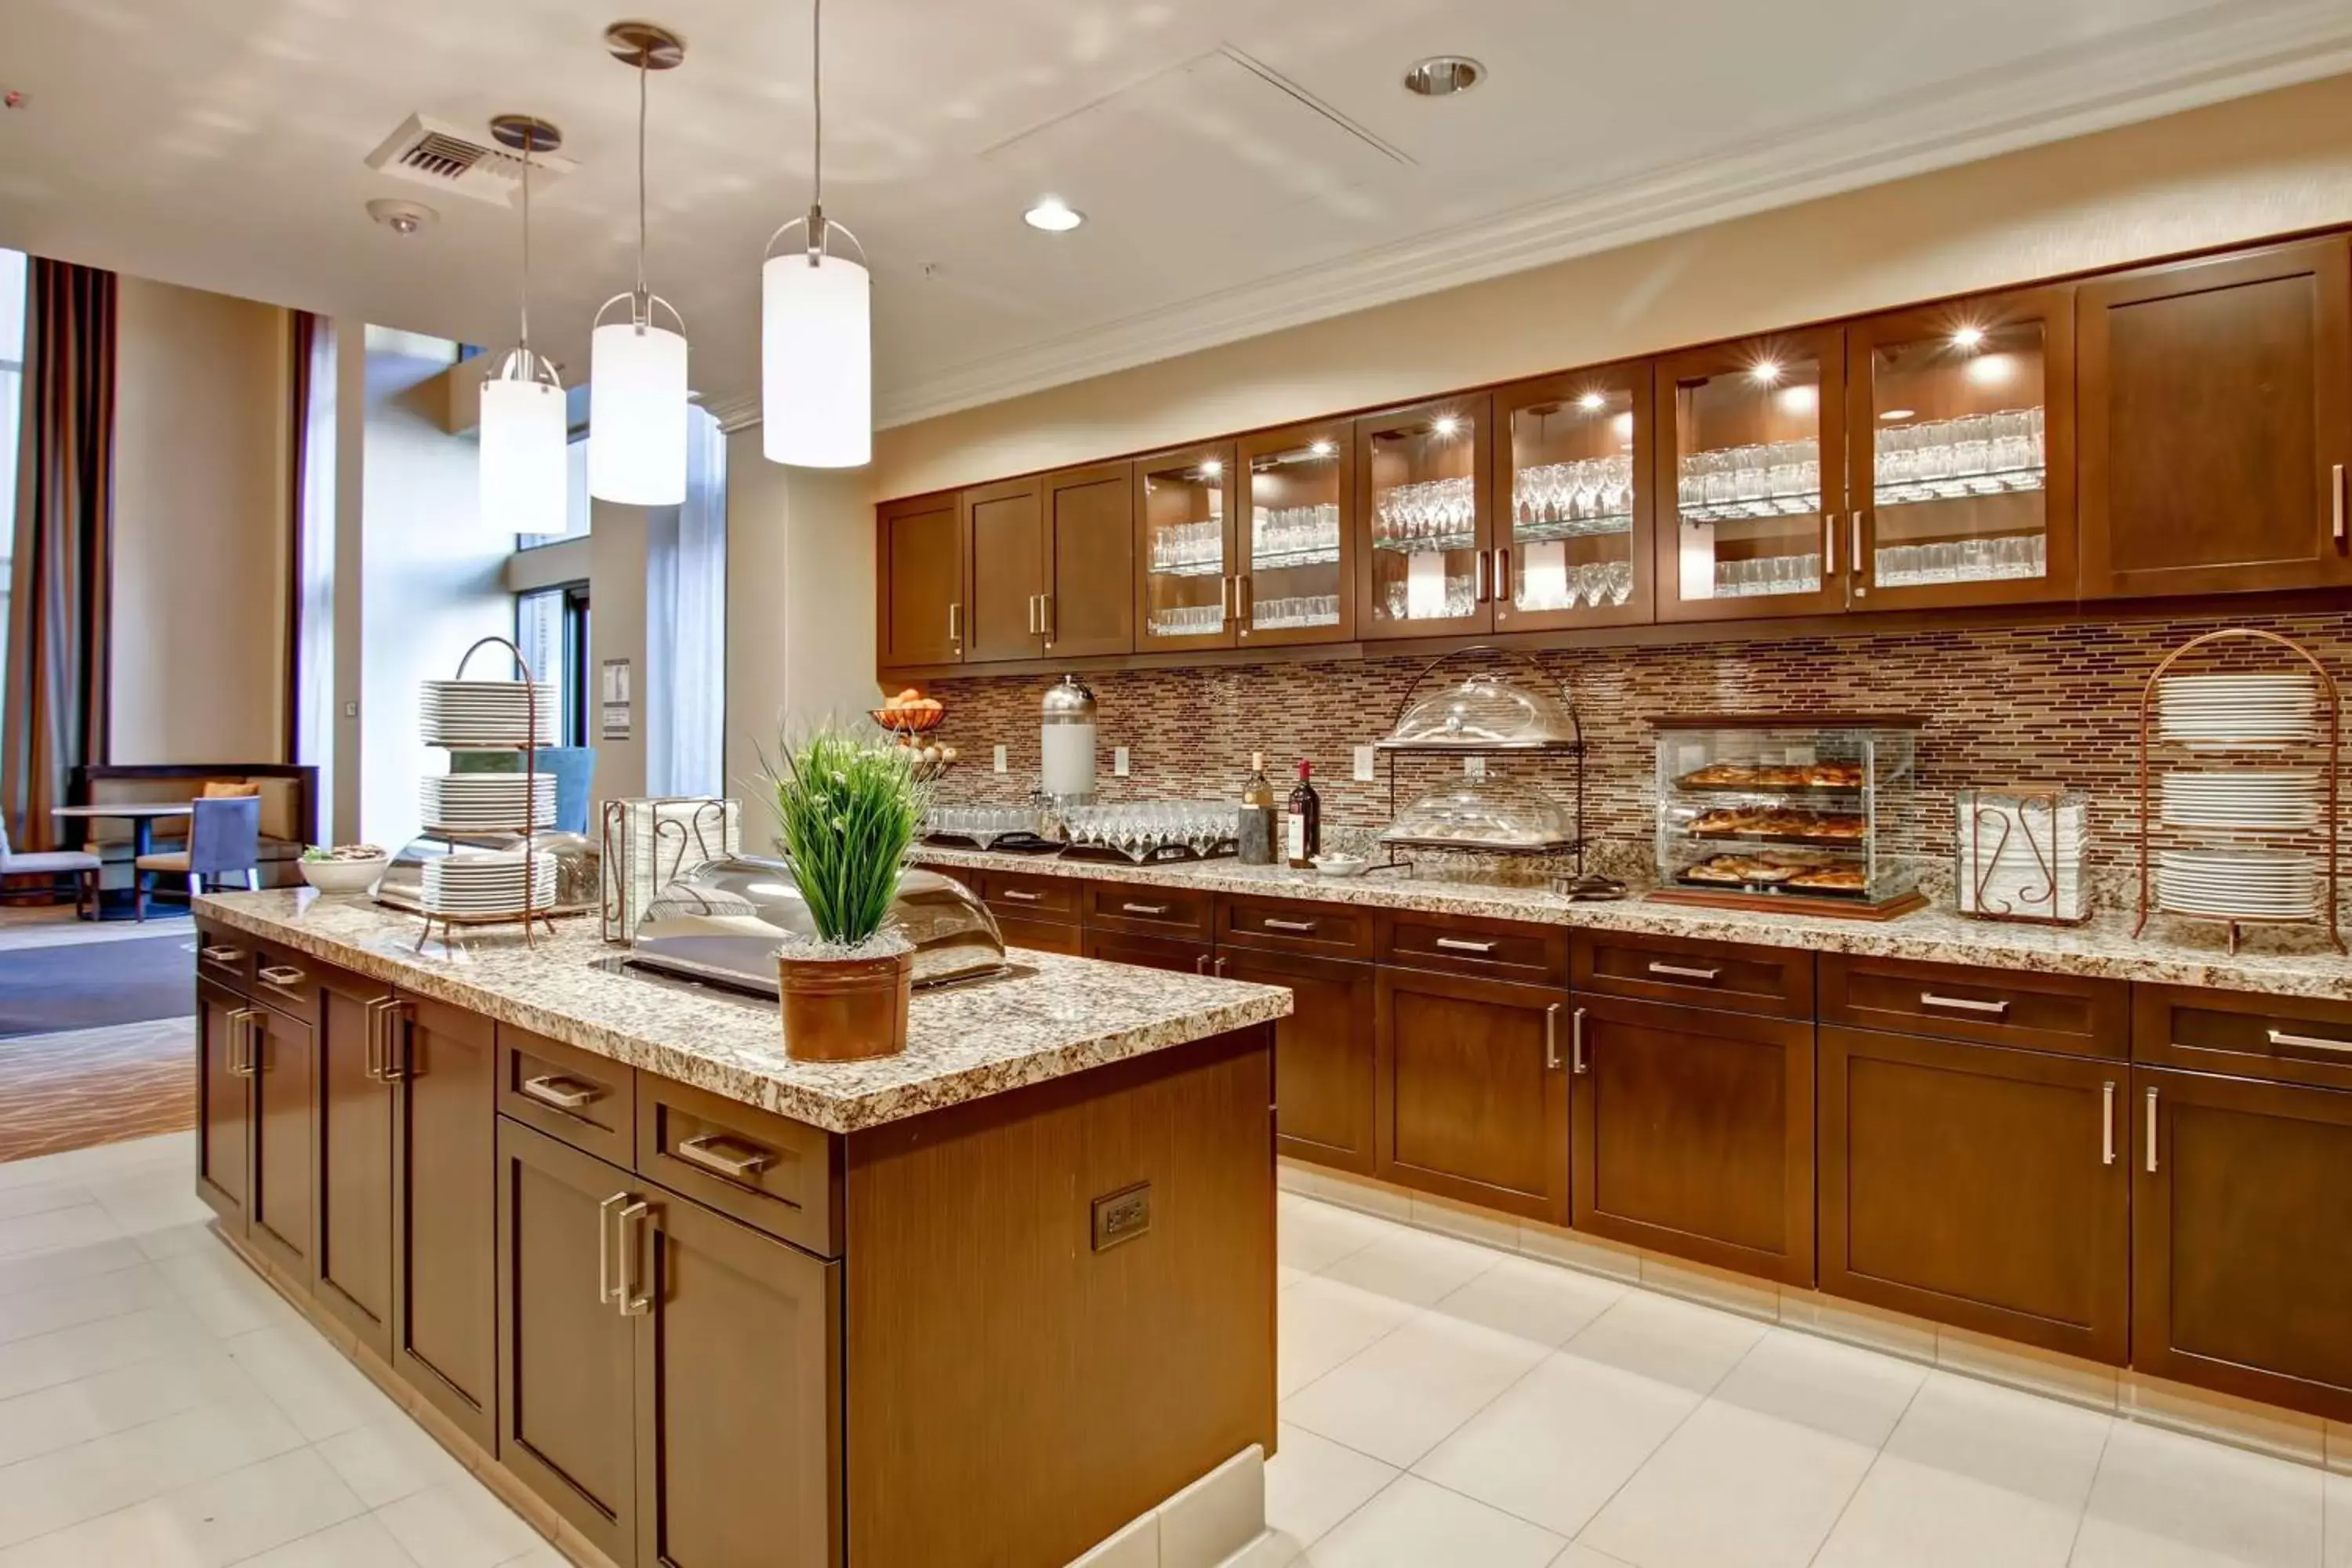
445, 1312
1695, 1133
1978, 1185
1148, 952
283, 1064
566, 1349
356, 1100
1322, 1054
1043, 936
2242, 1262
1472, 1092
738, 1393
224, 1104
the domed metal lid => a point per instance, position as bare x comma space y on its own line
1069, 700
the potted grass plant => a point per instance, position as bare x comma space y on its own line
847, 810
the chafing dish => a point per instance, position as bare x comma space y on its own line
578, 877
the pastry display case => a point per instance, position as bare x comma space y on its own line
1813, 812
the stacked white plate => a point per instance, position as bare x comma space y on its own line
488, 802
2211, 712
2256, 799
489, 713
487, 882
2015, 878
2237, 884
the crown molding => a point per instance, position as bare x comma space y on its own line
2206, 58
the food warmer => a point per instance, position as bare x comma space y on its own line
1813, 813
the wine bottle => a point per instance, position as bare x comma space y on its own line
1257, 824
1302, 837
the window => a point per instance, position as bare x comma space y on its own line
12, 380
575, 499
551, 629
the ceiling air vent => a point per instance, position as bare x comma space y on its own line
448, 158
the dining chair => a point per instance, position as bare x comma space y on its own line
80, 865
223, 839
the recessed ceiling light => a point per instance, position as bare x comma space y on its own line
1055, 216
402, 217
1442, 76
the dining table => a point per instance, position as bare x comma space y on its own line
142, 815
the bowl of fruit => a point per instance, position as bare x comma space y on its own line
345, 869
910, 716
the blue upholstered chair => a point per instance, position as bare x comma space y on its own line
82, 867
223, 839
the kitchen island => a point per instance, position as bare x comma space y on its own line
685, 1300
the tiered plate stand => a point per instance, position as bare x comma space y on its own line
452, 838
2329, 705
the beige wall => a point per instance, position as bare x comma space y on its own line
200, 527
616, 629
2257, 166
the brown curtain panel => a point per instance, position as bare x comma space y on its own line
53, 716
301, 342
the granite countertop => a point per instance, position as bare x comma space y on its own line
2179, 952
1054, 1016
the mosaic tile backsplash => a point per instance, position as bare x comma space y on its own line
2003, 707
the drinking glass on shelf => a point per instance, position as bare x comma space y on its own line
1617, 577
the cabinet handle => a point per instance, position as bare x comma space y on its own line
1033, 615
223, 955
2336, 485
1861, 569
285, 976
238, 1021
725, 1156
1019, 895
2310, 1042
632, 1304
1272, 924
1502, 575
605, 1292
1463, 944
1226, 597
1964, 1004
1481, 570
564, 1093
955, 621
1220, 966
1829, 547
380, 1015
2151, 1131
1245, 600
2107, 1123
1576, 1044
1147, 908
1682, 972
1552, 1037
399, 1044
1201, 964
1046, 616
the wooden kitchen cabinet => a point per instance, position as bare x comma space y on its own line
224, 1104
1323, 1088
281, 1063
357, 1118
1002, 536
1693, 1133
1574, 476
1425, 478
2242, 1267
1089, 589
919, 570
445, 1341
1472, 1090
2216, 420
1296, 534
1172, 954
1186, 579
1978, 1185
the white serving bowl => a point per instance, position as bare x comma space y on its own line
343, 875
1341, 864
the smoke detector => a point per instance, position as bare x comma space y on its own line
434, 152
403, 217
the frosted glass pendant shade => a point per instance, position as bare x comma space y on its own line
816, 361
636, 415
522, 460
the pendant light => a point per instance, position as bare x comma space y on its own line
523, 481
636, 367
816, 349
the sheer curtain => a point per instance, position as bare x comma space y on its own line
686, 625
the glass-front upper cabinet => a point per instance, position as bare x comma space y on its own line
1295, 538
1424, 477
1572, 461
1749, 478
1187, 585
1960, 434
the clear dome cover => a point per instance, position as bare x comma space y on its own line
1472, 816
1484, 712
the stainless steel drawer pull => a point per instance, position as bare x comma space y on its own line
1678, 972
1552, 1037
1964, 1004
1463, 944
2151, 1130
2107, 1123
381, 1016
1576, 1044
606, 1289
1147, 909
632, 1304
2310, 1042
1021, 895
283, 975
1271, 923
2336, 485
563, 1094
227, 955
725, 1156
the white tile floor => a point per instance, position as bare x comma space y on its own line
1443, 1405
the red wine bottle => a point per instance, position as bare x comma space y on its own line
1302, 837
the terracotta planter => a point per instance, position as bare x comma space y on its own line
844, 1010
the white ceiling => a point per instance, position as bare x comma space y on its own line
1244, 165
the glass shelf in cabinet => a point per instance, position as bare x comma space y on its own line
1959, 487
1795, 505
1547, 530
1282, 559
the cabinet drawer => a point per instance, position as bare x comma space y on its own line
226, 956
1775, 980
774, 1174
1041, 936
2074, 1013
567, 1093
2287, 1039
1501, 949
1175, 955
1155, 911
287, 979
1032, 898
1295, 925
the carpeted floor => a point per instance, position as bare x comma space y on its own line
81, 1087
85, 986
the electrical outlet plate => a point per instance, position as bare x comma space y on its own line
1118, 762
999, 758
1364, 773
1473, 767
